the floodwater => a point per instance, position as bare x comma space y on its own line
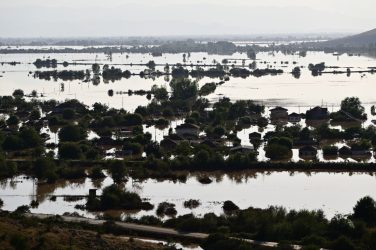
283, 90
331, 192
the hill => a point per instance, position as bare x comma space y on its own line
360, 40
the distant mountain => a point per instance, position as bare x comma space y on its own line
360, 40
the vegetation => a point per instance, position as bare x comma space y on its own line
113, 197
307, 228
18, 232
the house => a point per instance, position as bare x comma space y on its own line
361, 153
317, 113
124, 132
168, 144
210, 143
294, 118
279, 113
187, 130
242, 149
123, 153
305, 142
106, 142
174, 137
307, 152
255, 136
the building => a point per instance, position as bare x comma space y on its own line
294, 118
279, 113
242, 149
317, 113
187, 130
361, 153
168, 144
307, 152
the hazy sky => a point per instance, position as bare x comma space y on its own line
62, 18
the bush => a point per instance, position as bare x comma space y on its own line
165, 208
191, 204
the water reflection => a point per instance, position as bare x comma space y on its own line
333, 192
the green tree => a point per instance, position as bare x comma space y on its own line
353, 106
365, 210
70, 150
45, 168
18, 93
13, 120
34, 115
183, 89
72, 133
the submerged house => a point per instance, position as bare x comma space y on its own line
168, 144
308, 152
242, 149
294, 118
317, 113
279, 113
187, 130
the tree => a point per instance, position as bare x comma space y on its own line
30, 137
277, 152
183, 89
34, 115
13, 120
219, 131
160, 93
72, 133
251, 54
365, 210
117, 169
18, 93
96, 68
353, 106
202, 157
296, 72
45, 168
70, 150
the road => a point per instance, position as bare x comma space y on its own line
129, 226
154, 230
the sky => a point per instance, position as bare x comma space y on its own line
93, 18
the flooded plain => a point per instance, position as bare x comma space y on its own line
331, 192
